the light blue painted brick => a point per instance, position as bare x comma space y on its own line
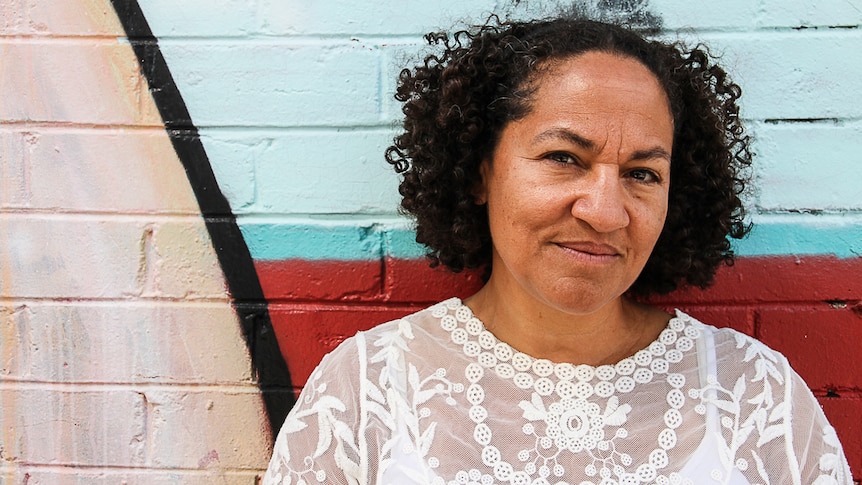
277, 84
201, 18
714, 14
326, 172
239, 18
380, 17
807, 13
233, 161
743, 15
802, 166
804, 74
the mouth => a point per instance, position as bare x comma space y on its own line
590, 251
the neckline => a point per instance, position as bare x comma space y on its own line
485, 349
570, 407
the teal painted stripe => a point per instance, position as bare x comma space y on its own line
290, 241
782, 238
274, 241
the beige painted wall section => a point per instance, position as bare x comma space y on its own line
121, 360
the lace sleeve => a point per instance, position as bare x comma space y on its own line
773, 429
318, 440
815, 444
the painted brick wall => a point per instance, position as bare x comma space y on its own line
122, 358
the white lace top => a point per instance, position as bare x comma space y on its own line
434, 398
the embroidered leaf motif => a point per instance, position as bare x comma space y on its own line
729, 406
380, 356
769, 434
350, 468
426, 439
750, 353
383, 379
743, 433
777, 412
425, 395
406, 329
758, 418
324, 438
344, 433
535, 410
774, 373
374, 392
616, 415
758, 399
828, 462
292, 425
328, 403
825, 480
413, 377
381, 413
739, 388
761, 470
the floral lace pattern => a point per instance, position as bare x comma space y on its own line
571, 423
397, 418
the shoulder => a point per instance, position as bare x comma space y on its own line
394, 335
765, 409
731, 345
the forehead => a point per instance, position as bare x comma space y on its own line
596, 69
605, 89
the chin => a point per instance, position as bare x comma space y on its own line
580, 300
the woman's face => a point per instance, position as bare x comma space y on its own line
577, 190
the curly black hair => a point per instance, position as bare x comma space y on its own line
456, 103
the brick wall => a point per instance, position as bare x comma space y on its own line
121, 358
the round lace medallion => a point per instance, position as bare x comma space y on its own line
560, 416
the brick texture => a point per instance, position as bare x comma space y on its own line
121, 358
798, 306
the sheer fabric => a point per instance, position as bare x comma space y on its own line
434, 398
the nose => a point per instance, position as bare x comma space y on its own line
601, 200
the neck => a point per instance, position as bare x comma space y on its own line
606, 335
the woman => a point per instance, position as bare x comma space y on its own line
582, 166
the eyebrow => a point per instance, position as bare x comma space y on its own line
585, 143
567, 135
655, 152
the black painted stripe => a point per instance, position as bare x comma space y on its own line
248, 300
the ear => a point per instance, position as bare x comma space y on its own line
480, 190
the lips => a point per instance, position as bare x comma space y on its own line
590, 253
590, 248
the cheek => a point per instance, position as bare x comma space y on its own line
648, 218
517, 218
651, 219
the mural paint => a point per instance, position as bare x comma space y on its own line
122, 359
193, 215
231, 250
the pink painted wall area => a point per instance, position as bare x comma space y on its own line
121, 357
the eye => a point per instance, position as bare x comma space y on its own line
562, 158
644, 175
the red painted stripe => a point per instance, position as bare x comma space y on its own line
806, 308
757, 280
